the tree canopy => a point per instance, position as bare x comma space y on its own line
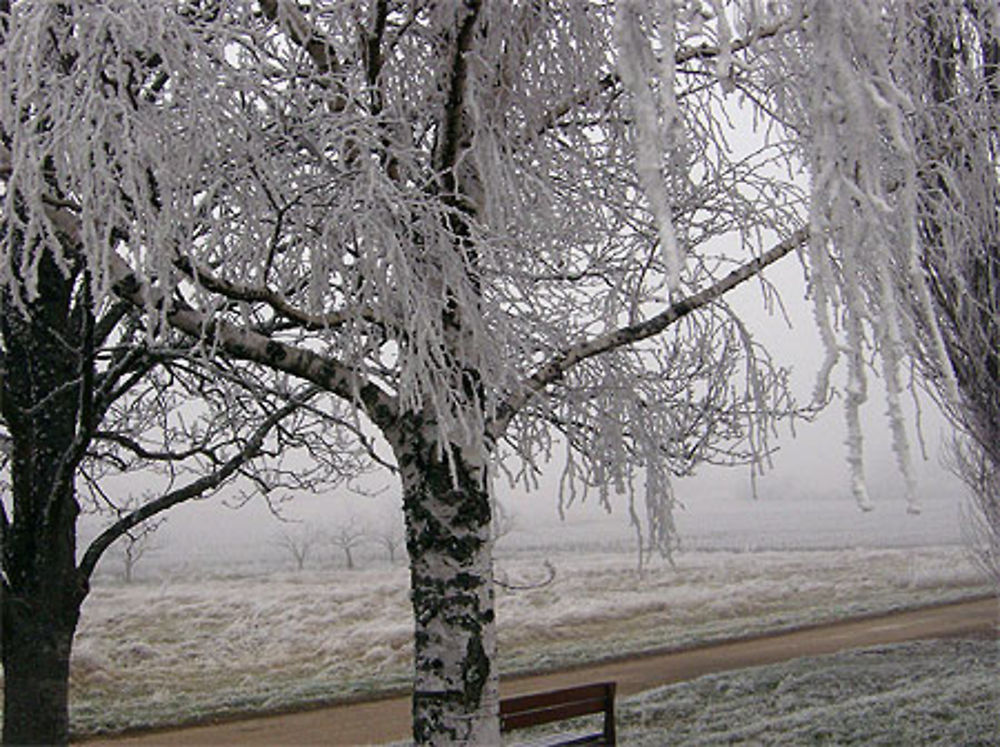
493, 230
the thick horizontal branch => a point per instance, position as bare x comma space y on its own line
239, 342
327, 373
563, 361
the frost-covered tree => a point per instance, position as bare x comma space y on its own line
497, 230
388, 532
168, 425
912, 178
953, 68
298, 544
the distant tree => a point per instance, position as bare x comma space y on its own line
491, 230
347, 537
298, 543
135, 544
389, 533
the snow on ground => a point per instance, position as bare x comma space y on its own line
941, 692
177, 650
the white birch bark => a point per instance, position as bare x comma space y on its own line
448, 514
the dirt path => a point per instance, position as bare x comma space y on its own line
388, 720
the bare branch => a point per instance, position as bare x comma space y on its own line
195, 489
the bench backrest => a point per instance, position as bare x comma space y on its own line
523, 711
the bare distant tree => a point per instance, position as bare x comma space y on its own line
298, 543
390, 535
137, 543
347, 537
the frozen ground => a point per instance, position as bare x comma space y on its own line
922, 693
174, 650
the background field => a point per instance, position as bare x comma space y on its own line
174, 649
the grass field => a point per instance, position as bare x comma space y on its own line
169, 651
942, 692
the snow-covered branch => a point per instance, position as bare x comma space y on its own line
556, 368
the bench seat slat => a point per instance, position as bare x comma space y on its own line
534, 700
536, 709
546, 715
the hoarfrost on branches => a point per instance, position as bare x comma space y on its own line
310, 191
494, 231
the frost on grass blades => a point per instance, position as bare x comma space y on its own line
927, 692
486, 230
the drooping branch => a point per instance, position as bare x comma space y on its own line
702, 52
563, 361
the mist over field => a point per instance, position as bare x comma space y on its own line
803, 503
801, 499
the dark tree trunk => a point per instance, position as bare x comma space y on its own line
37, 638
447, 508
42, 391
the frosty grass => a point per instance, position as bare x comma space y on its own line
174, 651
943, 692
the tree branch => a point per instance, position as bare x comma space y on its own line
279, 305
683, 54
294, 22
240, 342
563, 361
451, 125
195, 489
245, 344
154, 456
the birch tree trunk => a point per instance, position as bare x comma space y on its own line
447, 509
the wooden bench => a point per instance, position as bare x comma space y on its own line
536, 709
